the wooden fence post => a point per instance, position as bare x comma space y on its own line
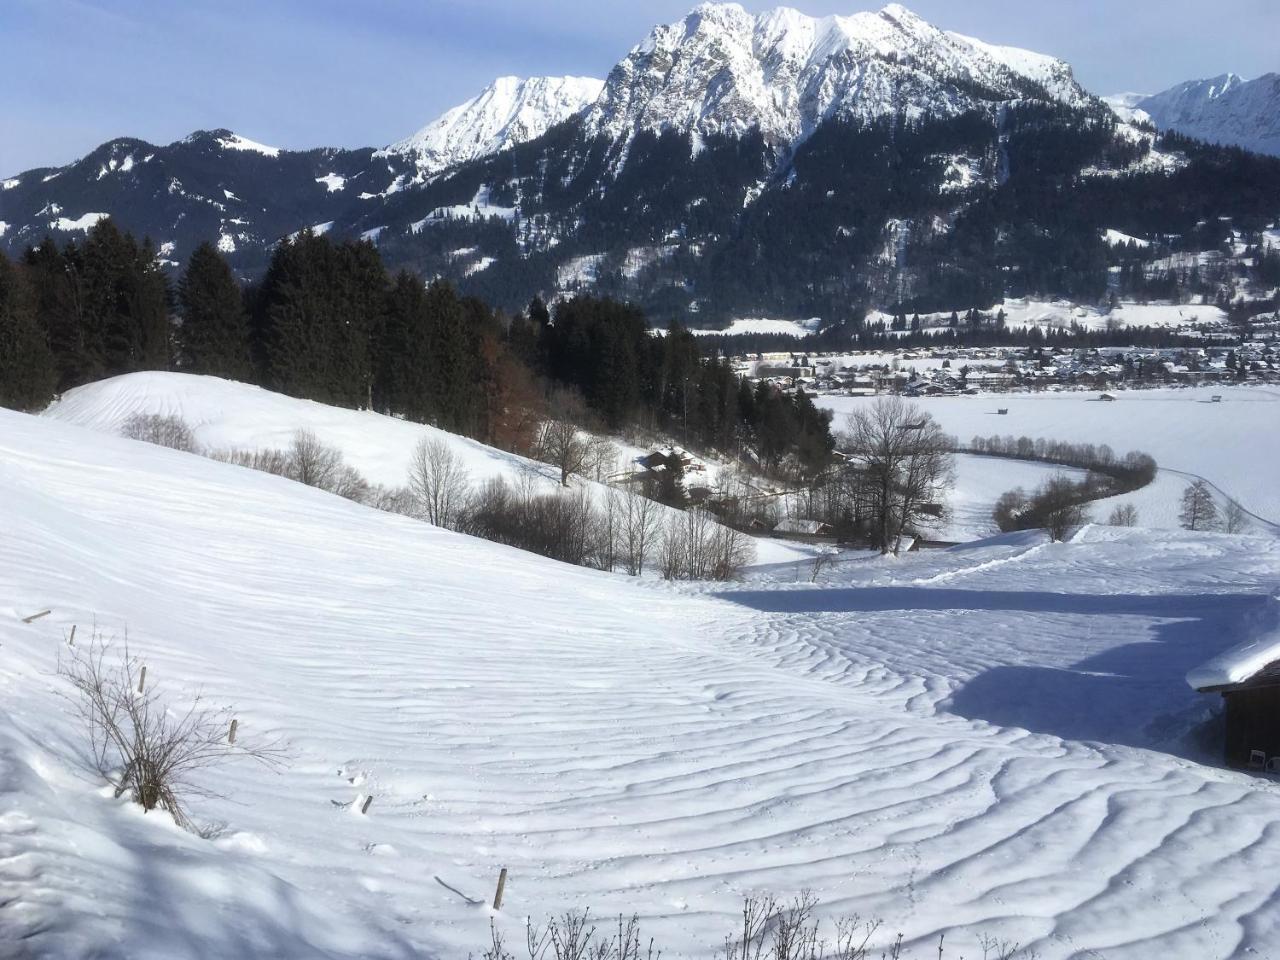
231, 734
71, 641
36, 616
364, 807
142, 678
502, 885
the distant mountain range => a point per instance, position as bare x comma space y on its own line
731, 164
1225, 109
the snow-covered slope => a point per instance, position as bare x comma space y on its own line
225, 415
722, 70
955, 742
508, 112
1225, 109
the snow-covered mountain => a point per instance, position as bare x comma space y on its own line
509, 111
722, 70
1225, 109
730, 165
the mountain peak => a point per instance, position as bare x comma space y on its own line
509, 111
721, 69
1222, 109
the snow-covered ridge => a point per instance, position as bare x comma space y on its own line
510, 111
722, 70
1225, 109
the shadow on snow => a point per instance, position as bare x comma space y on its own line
1134, 694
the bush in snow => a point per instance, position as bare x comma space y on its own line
696, 547
142, 745
165, 430
769, 930
1234, 519
275, 462
1125, 515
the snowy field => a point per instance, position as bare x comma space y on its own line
1234, 444
992, 740
979, 481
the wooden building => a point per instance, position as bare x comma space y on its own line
1252, 709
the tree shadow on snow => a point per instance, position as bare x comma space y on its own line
1134, 694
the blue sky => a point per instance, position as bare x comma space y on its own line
302, 73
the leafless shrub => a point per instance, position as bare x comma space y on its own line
821, 560
795, 931
571, 935
770, 931
749, 942
1234, 518
142, 745
994, 949
275, 462
313, 462
307, 461
1060, 505
165, 430
696, 547
439, 483
1124, 515
399, 500
852, 936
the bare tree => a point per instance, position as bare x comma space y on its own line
165, 430
821, 560
439, 482
1198, 509
143, 746
1124, 515
907, 463
1234, 518
641, 521
563, 442
1060, 506
312, 462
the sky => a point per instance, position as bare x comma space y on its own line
307, 73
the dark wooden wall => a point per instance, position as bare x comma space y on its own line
1253, 723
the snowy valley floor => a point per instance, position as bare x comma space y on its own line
996, 739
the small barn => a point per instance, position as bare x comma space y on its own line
1247, 677
800, 527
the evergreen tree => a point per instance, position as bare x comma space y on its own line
214, 337
28, 374
126, 298
75, 337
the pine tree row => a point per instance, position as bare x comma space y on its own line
328, 323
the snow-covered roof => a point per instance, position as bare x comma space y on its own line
796, 525
1244, 660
